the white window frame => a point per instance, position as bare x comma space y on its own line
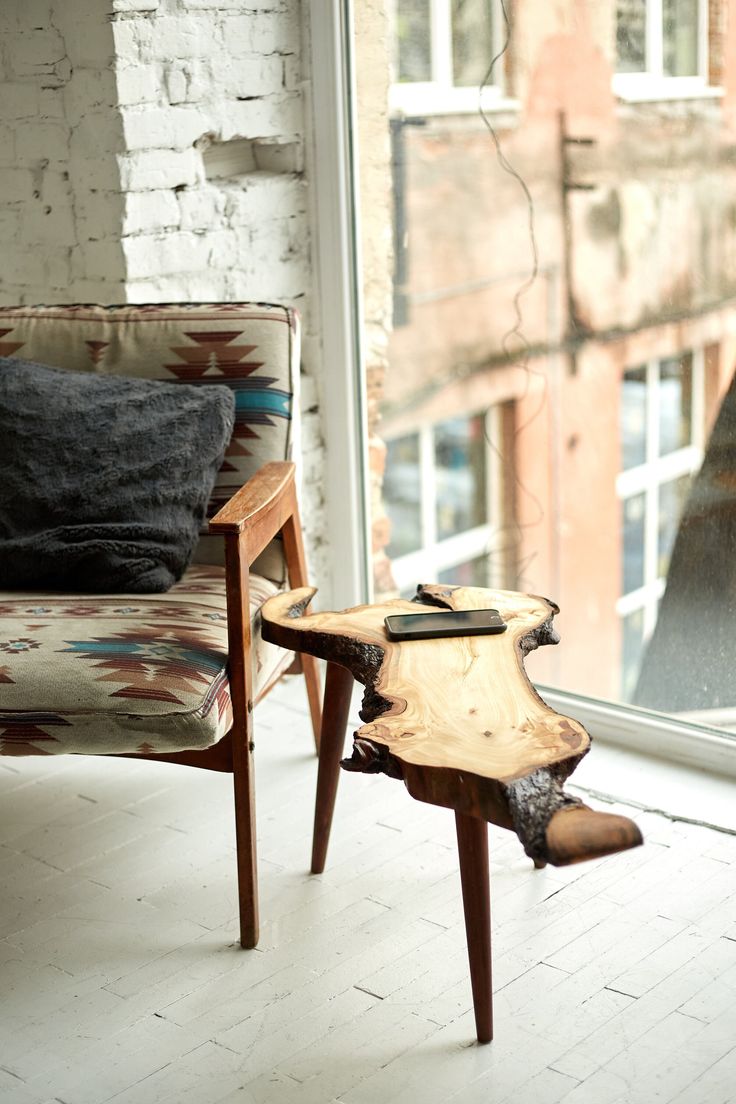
330, 99
440, 96
649, 477
652, 84
437, 555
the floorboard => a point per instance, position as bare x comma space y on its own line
121, 978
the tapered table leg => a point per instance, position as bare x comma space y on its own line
338, 694
472, 845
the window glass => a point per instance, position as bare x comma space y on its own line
472, 41
672, 497
632, 644
402, 494
675, 404
631, 23
634, 418
680, 37
459, 452
605, 367
472, 573
414, 40
634, 510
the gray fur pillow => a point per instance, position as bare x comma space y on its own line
104, 480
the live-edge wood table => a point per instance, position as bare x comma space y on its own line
459, 722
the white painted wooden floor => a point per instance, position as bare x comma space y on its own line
120, 977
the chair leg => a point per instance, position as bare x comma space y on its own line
310, 669
472, 844
245, 836
338, 692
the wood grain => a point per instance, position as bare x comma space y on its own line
457, 718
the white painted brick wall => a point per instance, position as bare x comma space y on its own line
60, 131
193, 72
105, 112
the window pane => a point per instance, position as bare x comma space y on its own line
680, 37
634, 418
414, 41
472, 573
472, 41
459, 453
672, 497
631, 22
402, 495
675, 403
605, 365
632, 642
633, 513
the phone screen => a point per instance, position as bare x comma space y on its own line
428, 626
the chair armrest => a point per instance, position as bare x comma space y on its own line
258, 511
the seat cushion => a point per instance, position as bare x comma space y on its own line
114, 673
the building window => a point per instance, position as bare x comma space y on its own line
443, 52
441, 497
662, 413
661, 46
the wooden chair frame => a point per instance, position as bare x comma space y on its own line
263, 508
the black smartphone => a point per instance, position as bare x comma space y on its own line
430, 626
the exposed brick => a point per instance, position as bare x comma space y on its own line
98, 214
49, 139
163, 127
97, 259
184, 37
43, 223
30, 15
190, 82
137, 84
256, 76
7, 146
270, 33
154, 169
150, 211
16, 184
22, 266
135, 5
274, 116
19, 101
223, 5
86, 92
201, 208
10, 218
86, 32
167, 254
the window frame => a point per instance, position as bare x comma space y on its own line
439, 95
656, 471
652, 83
436, 555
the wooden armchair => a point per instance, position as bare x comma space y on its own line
171, 676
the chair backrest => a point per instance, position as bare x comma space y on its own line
253, 348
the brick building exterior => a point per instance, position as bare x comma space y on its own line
632, 182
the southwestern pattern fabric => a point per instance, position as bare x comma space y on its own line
94, 674
251, 348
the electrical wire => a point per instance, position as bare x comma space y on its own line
516, 331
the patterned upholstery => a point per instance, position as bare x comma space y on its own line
104, 674
251, 348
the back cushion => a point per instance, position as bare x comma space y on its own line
251, 348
